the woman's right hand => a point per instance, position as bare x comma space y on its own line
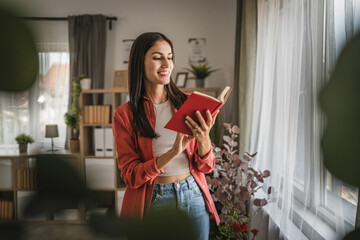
181, 142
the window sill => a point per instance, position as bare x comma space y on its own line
303, 225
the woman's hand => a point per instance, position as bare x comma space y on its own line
201, 133
181, 142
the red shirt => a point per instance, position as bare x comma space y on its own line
137, 164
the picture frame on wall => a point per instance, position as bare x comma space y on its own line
181, 78
120, 79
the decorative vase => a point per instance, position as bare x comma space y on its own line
23, 147
200, 82
85, 83
74, 145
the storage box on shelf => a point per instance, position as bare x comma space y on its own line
18, 185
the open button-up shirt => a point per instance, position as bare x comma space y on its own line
137, 164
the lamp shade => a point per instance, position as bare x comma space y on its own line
51, 131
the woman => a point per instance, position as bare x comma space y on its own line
161, 167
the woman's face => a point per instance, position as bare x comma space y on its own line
158, 64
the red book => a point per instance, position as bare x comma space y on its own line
197, 101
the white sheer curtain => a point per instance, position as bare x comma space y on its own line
14, 120
47, 100
44, 103
286, 126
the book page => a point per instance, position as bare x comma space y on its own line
203, 94
220, 98
223, 94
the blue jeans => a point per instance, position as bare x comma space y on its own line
186, 196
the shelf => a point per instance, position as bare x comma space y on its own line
20, 196
96, 124
27, 189
14, 153
93, 156
92, 91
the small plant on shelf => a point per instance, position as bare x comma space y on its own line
200, 71
23, 140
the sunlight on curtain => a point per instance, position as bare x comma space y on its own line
44, 103
49, 96
14, 112
287, 122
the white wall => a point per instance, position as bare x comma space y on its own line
177, 19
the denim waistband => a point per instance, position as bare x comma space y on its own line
186, 183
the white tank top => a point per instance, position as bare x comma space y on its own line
162, 144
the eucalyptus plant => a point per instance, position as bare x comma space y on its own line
232, 184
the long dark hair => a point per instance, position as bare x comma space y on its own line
136, 72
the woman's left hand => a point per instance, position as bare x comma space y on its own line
201, 133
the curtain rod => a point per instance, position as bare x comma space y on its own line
110, 19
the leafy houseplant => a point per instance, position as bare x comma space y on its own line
232, 184
72, 118
200, 72
23, 140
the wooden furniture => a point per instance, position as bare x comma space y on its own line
100, 173
17, 184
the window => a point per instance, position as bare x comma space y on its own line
343, 22
297, 46
336, 191
44, 103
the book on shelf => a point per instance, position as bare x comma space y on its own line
96, 114
10, 210
197, 101
2, 209
6, 209
100, 113
85, 114
107, 113
25, 178
91, 114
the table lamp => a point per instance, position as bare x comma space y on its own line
51, 131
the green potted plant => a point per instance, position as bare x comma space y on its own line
200, 71
72, 118
23, 140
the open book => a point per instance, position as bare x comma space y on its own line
197, 101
